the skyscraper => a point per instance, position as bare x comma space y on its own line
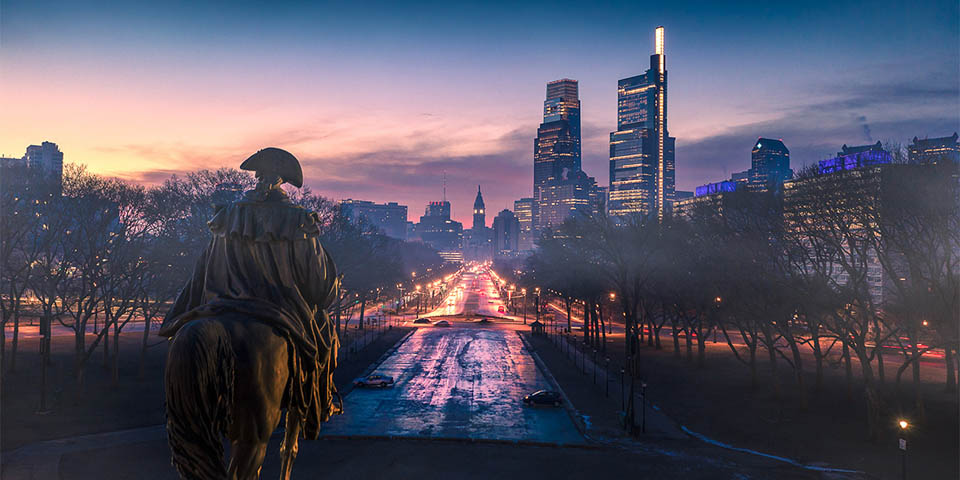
770, 165
556, 150
506, 234
642, 170
523, 209
440, 232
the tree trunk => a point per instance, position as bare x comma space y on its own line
871, 396
772, 356
363, 310
603, 328
752, 347
917, 392
848, 368
106, 341
675, 333
798, 370
817, 357
116, 352
947, 355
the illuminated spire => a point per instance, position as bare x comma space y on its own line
659, 41
659, 47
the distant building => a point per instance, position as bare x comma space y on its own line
642, 153
478, 241
44, 163
933, 150
850, 158
560, 199
440, 232
556, 150
770, 165
523, 209
46, 157
389, 217
506, 234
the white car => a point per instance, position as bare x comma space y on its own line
375, 380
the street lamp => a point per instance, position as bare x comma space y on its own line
419, 298
904, 425
524, 292
537, 289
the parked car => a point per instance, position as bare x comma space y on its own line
543, 397
422, 320
374, 380
442, 323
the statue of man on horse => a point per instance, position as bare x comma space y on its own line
250, 336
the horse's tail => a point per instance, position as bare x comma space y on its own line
199, 383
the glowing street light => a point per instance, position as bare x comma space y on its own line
613, 296
904, 425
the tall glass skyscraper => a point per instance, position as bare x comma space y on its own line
769, 166
556, 150
642, 165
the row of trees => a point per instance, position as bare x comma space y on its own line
842, 265
106, 253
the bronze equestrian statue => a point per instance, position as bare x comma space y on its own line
250, 333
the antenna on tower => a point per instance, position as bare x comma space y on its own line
444, 185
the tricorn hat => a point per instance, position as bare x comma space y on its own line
277, 161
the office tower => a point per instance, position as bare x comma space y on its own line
391, 217
642, 169
556, 150
770, 165
575, 194
933, 150
523, 209
506, 234
440, 232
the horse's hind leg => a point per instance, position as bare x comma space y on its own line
246, 459
290, 444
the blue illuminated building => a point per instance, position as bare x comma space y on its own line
858, 159
716, 187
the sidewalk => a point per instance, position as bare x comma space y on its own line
600, 394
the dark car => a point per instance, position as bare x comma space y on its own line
422, 320
375, 380
543, 397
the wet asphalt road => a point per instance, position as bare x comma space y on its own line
458, 382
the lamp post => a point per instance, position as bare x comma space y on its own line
904, 425
524, 292
537, 290
613, 298
419, 298
717, 301
643, 407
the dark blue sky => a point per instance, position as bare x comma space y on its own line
379, 99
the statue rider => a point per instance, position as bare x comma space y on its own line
265, 260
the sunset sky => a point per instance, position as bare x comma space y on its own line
378, 100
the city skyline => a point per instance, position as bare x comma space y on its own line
379, 111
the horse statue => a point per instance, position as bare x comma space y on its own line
250, 336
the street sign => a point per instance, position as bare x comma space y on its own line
903, 444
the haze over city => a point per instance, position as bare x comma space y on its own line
378, 100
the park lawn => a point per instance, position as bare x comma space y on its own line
717, 401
